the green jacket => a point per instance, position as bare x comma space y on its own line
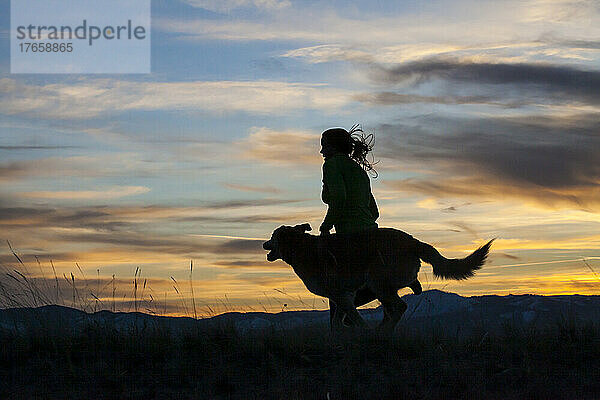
347, 191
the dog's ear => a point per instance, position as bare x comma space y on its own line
303, 227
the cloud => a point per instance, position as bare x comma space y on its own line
291, 27
392, 98
228, 204
229, 5
12, 213
281, 147
278, 218
541, 48
330, 52
355, 24
376, 52
106, 194
549, 161
466, 228
142, 234
566, 83
43, 226
99, 218
248, 188
245, 264
8, 260
179, 245
88, 166
560, 11
360, 32
97, 97
100, 165
585, 198
242, 246
12, 170
552, 39
565, 284
9, 148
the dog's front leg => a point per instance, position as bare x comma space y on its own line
337, 316
332, 312
345, 308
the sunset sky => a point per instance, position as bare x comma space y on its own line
486, 116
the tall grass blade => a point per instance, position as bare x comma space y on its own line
192, 289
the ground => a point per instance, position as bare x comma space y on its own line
302, 363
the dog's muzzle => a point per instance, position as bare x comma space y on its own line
268, 245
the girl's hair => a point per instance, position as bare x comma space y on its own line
354, 143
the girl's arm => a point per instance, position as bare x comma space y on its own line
373, 207
336, 193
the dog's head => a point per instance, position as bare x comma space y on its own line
279, 235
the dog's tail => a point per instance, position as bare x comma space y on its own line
454, 268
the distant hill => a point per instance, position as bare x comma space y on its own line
432, 310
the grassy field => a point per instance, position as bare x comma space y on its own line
559, 361
303, 363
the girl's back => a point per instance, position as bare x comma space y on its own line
347, 187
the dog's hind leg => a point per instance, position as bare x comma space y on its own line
394, 309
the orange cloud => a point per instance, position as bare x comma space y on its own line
282, 147
473, 187
109, 193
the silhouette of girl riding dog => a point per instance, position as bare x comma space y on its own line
361, 262
352, 209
